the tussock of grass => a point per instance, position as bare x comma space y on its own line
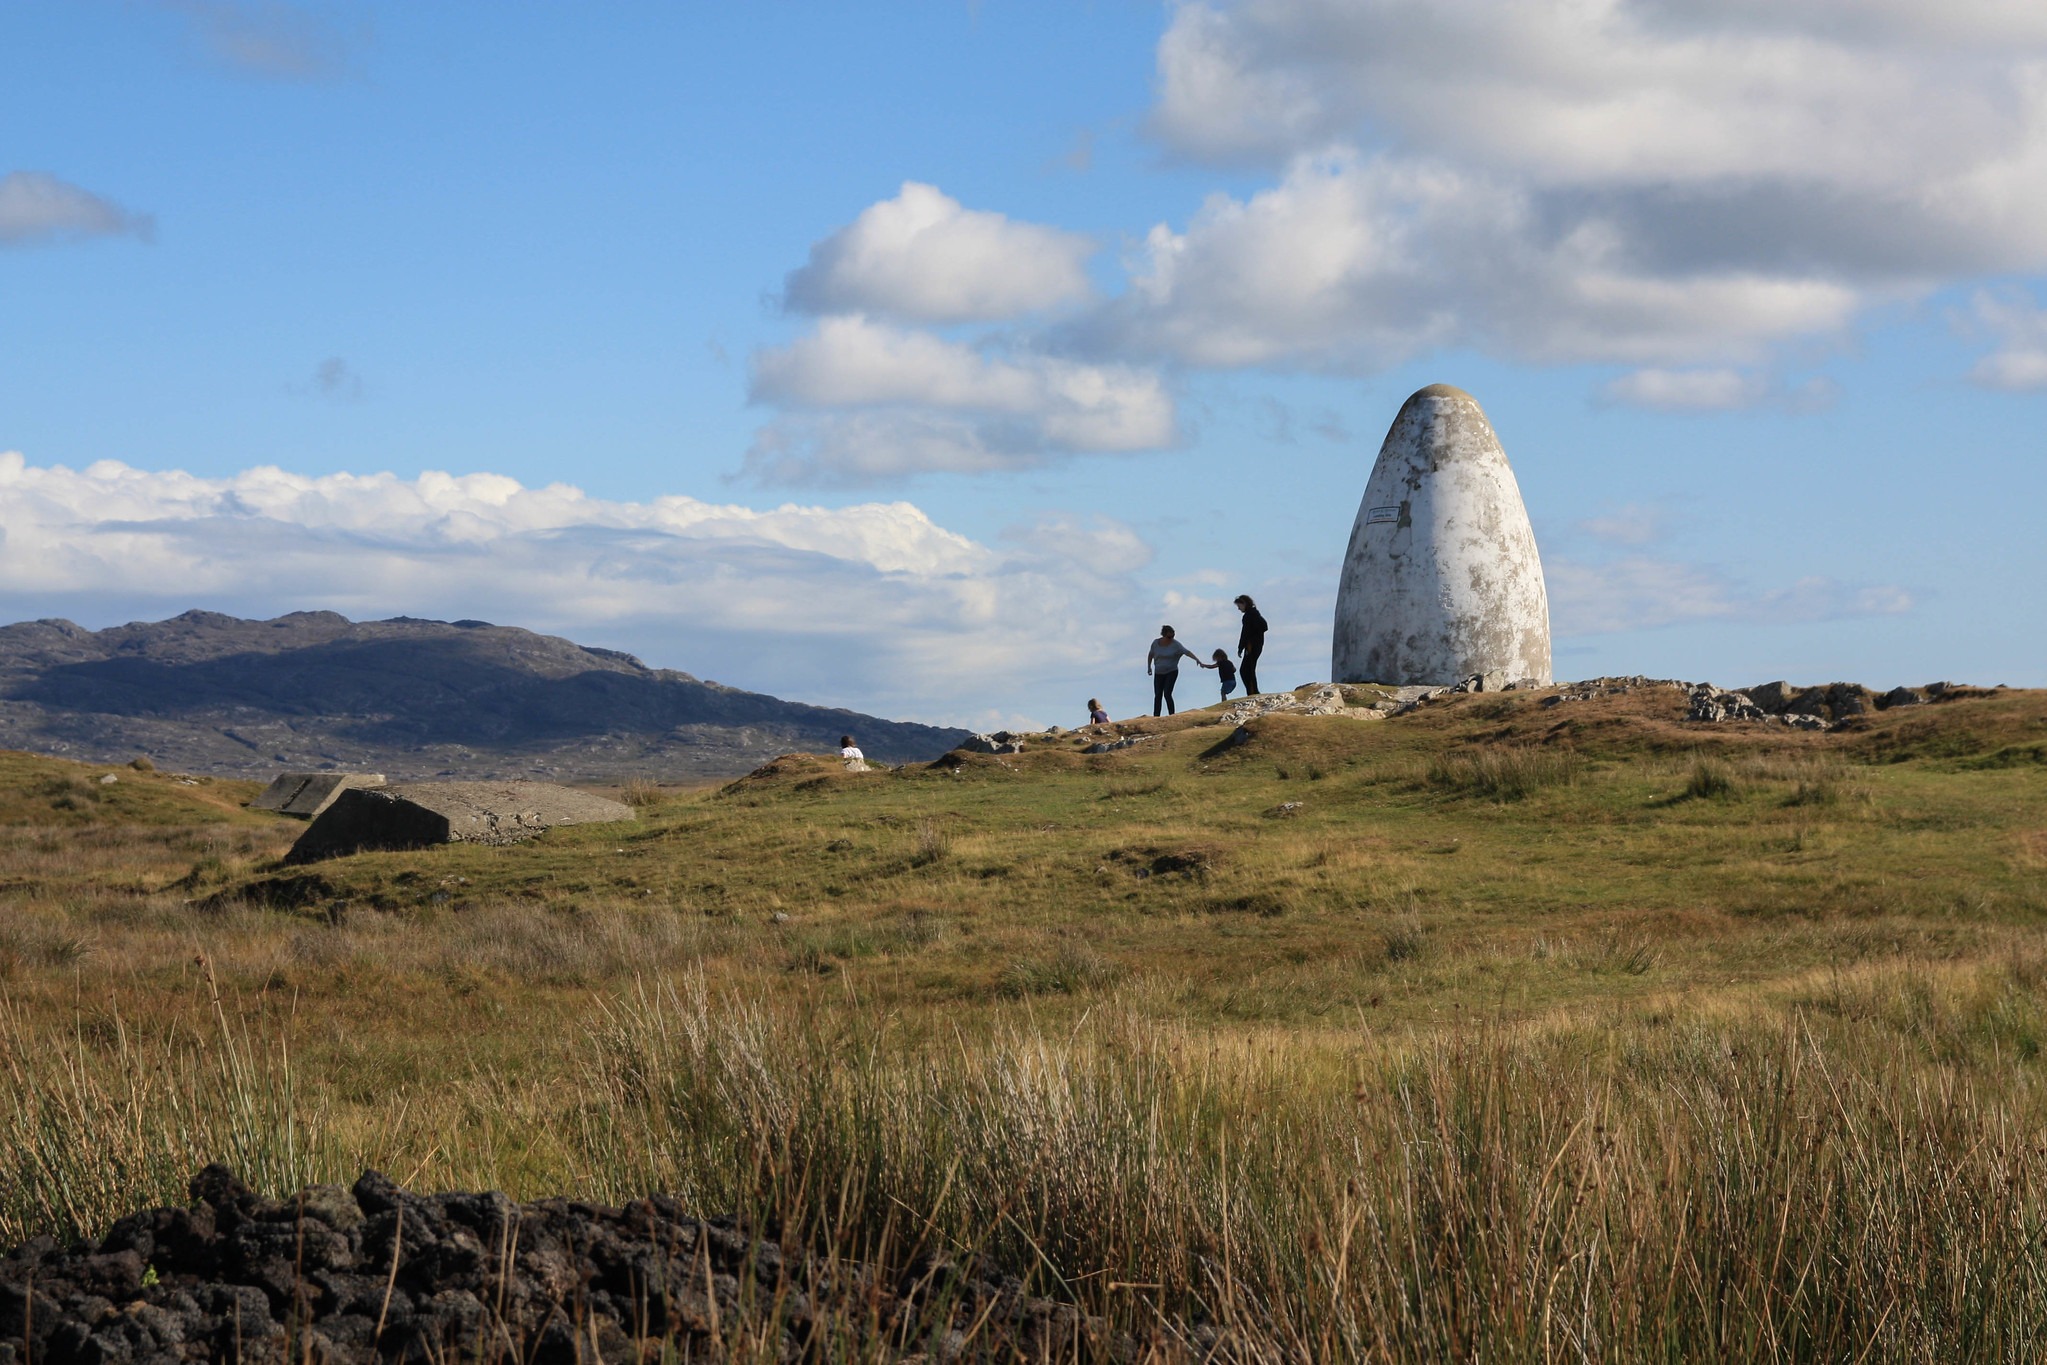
1406, 941
1071, 969
640, 793
1506, 773
1710, 780
934, 844
1118, 791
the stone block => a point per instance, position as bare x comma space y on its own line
307, 794
422, 814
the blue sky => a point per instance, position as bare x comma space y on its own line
924, 358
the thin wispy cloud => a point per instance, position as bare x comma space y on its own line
1633, 524
1643, 592
1716, 390
2019, 327
38, 209
270, 39
333, 379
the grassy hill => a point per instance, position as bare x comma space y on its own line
1471, 1033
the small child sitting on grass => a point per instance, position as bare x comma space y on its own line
1226, 670
1095, 714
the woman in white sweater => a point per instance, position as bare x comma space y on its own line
1163, 663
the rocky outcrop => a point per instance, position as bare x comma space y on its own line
421, 814
1001, 742
1709, 703
374, 1273
1321, 699
1806, 708
307, 794
1110, 746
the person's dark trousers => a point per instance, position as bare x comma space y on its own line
1247, 669
1162, 692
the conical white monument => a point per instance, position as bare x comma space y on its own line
1442, 579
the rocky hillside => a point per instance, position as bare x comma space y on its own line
208, 693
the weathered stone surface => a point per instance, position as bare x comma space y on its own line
1772, 696
420, 814
1442, 579
1833, 701
307, 794
1001, 742
1494, 681
1709, 703
1310, 699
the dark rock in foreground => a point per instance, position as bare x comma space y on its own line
421, 814
376, 1273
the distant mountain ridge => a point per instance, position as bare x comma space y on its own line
205, 692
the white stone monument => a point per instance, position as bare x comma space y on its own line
1441, 580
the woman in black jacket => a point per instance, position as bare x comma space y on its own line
1250, 644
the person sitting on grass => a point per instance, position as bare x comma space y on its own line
1227, 671
1163, 663
1095, 714
856, 762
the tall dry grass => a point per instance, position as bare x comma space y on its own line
1704, 1193
1718, 1189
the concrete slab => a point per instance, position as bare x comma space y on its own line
307, 794
421, 814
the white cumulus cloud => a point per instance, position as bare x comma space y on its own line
923, 257
866, 400
37, 208
1359, 262
873, 606
1657, 182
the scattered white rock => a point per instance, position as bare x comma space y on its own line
1001, 742
1312, 699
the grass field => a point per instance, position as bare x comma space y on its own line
1496, 1031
